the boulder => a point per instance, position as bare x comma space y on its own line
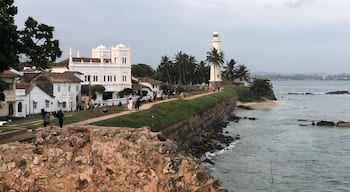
326, 123
343, 124
337, 92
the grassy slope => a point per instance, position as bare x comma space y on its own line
165, 114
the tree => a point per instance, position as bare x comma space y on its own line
165, 69
229, 70
242, 73
8, 35
262, 89
37, 47
216, 58
34, 43
94, 89
201, 74
180, 60
141, 70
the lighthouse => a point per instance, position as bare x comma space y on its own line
215, 70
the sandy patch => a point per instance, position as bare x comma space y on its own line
267, 104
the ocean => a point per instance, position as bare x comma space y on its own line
282, 151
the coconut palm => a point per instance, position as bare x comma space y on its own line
229, 70
165, 67
216, 58
242, 73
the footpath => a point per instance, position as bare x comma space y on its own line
23, 135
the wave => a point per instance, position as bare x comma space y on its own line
209, 157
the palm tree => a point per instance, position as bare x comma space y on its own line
216, 58
180, 62
242, 73
229, 70
165, 65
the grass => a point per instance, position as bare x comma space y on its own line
70, 117
163, 115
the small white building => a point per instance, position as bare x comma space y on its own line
110, 68
37, 91
7, 107
148, 86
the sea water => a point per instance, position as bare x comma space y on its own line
282, 151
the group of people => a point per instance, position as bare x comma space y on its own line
134, 103
46, 117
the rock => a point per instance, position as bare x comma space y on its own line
38, 150
245, 107
206, 160
343, 124
93, 158
54, 154
59, 186
326, 123
201, 177
338, 92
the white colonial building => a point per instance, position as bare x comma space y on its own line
109, 67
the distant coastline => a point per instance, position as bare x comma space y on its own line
281, 76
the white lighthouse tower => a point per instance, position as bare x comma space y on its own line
215, 71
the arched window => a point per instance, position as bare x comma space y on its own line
19, 107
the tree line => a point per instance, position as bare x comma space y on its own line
185, 69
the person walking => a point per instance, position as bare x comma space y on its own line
46, 118
60, 117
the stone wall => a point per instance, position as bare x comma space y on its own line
202, 132
89, 158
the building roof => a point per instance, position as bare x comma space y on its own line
150, 80
45, 80
9, 74
64, 63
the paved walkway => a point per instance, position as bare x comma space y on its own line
143, 107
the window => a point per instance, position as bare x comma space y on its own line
115, 60
47, 103
104, 78
77, 88
9, 86
34, 105
58, 89
68, 87
19, 107
64, 104
124, 60
124, 78
115, 78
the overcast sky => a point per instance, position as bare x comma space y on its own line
294, 36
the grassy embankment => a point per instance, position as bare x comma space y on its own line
165, 114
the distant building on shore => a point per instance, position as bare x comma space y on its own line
215, 71
110, 68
